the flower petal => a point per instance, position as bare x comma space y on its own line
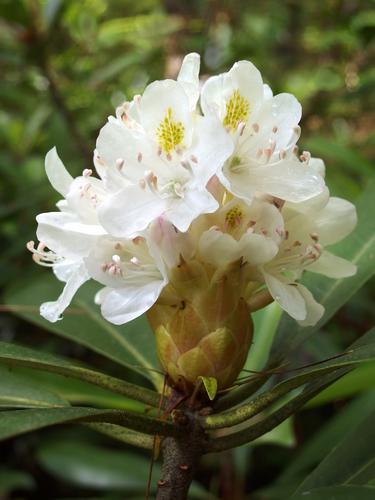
218, 248
52, 311
188, 78
122, 305
183, 211
335, 221
289, 180
332, 266
56, 172
314, 310
244, 78
211, 147
160, 97
287, 295
129, 211
65, 235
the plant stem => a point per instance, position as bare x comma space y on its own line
181, 456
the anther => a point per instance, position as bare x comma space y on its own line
119, 163
255, 127
241, 128
87, 172
193, 158
275, 129
139, 157
314, 237
116, 259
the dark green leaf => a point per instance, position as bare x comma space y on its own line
323, 441
338, 493
13, 480
16, 391
132, 345
23, 356
91, 466
345, 461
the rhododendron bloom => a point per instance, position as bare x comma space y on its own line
264, 129
203, 211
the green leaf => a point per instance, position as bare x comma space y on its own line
76, 391
361, 351
93, 466
131, 345
359, 249
11, 479
351, 456
338, 493
97, 467
323, 441
17, 392
282, 435
15, 422
12, 354
359, 380
210, 384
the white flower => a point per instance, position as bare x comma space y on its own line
189, 206
164, 154
133, 280
264, 130
69, 234
252, 233
309, 228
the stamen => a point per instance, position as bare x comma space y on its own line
237, 110
139, 157
119, 163
255, 127
41, 256
87, 172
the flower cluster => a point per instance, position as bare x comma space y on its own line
203, 210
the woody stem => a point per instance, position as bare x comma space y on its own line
181, 457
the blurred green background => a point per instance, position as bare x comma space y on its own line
65, 65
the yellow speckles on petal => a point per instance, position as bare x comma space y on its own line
237, 110
170, 133
233, 217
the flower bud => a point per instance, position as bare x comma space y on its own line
205, 333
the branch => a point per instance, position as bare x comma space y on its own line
181, 457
